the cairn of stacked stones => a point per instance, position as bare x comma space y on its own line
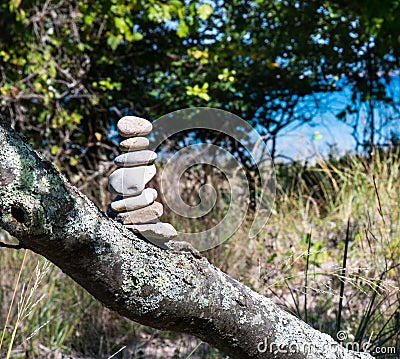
135, 205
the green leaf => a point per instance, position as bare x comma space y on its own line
182, 30
38, 86
54, 150
73, 161
121, 25
113, 41
4, 55
14, 4
204, 11
271, 257
76, 118
88, 19
137, 36
198, 92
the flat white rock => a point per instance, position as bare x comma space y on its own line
134, 144
148, 214
146, 198
130, 181
136, 158
155, 231
132, 126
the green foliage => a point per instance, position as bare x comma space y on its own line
70, 69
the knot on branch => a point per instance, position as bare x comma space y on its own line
18, 215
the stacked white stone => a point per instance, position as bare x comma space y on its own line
135, 205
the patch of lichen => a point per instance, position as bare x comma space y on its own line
26, 186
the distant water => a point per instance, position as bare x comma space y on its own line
316, 138
325, 130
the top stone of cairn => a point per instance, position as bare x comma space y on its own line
132, 126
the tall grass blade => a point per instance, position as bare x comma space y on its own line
13, 298
343, 277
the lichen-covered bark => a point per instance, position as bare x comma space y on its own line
152, 286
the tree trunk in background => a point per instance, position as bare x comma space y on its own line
152, 286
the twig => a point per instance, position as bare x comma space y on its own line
343, 274
306, 278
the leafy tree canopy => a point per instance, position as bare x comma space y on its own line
70, 69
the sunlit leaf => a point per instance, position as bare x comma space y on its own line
204, 11
182, 29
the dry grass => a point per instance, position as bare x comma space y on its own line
297, 260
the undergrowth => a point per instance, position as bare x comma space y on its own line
329, 254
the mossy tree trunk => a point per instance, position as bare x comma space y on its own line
152, 286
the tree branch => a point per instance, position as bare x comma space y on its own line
142, 282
